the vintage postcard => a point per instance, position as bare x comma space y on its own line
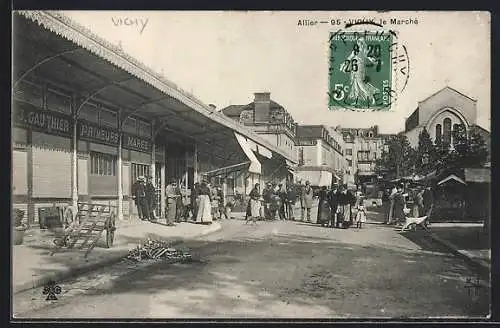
251, 164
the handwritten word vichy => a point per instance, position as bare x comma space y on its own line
128, 21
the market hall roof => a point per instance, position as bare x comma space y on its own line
79, 59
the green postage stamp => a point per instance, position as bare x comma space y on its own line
360, 73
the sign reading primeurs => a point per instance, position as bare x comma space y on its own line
96, 133
93, 132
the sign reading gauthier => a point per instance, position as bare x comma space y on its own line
26, 116
95, 133
136, 143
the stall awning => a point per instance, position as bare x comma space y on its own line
263, 151
226, 170
255, 166
451, 177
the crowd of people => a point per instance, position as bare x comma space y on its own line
205, 204
402, 202
338, 206
277, 201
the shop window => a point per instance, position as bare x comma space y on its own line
143, 129
139, 170
363, 155
58, 101
29, 92
130, 126
102, 164
89, 112
108, 118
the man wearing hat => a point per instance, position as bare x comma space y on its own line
171, 194
139, 196
266, 195
150, 197
306, 201
333, 199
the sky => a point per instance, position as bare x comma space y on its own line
223, 58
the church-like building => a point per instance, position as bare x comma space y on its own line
443, 113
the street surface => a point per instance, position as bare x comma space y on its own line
279, 269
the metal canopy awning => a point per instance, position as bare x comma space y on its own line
75, 58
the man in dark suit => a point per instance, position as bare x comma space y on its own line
139, 195
150, 191
333, 199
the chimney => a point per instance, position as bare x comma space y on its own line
262, 102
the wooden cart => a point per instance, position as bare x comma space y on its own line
83, 227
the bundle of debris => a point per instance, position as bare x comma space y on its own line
157, 250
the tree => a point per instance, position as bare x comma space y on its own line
469, 150
398, 160
426, 153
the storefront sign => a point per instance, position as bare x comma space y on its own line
95, 133
305, 142
43, 121
137, 143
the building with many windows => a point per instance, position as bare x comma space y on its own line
363, 146
320, 155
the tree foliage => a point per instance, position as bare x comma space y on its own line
426, 153
469, 149
398, 160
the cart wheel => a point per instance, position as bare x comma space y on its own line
110, 231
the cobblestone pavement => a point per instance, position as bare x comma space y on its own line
279, 269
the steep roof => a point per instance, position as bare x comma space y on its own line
448, 88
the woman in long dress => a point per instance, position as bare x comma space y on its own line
323, 207
344, 208
255, 203
399, 206
204, 214
361, 90
360, 215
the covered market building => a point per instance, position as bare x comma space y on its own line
87, 120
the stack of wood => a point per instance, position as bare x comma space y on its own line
157, 250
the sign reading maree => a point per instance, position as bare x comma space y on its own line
136, 143
95, 133
43, 121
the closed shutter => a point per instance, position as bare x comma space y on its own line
20, 172
126, 179
51, 166
83, 181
